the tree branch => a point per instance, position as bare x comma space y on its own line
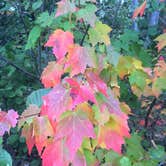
86, 32
149, 112
19, 68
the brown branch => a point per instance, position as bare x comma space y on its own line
19, 68
149, 112
86, 32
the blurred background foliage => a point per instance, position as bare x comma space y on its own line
25, 26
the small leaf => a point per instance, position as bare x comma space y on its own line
44, 19
37, 4
139, 10
161, 41
33, 37
51, 75
64, 7
88, 14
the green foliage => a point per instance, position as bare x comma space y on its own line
5, 158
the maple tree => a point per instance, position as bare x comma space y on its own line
82, 111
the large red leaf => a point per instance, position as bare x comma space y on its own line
51, 75
74, 127
78, 59
7, 120
60, 41
56, 102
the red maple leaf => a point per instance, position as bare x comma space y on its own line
80, 93
74, 127
56, 102
78, 59
51, 75
55, 154
60, 41
96, 82
7, 120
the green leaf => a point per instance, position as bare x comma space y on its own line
157, 153
88, 14
44, 19
5, 158
99, 34
36, 97
112, 156
125, 161
138, 78
134, 147
112, 55
33, 37
37, 4
90, 158
159, 85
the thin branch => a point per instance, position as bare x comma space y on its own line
18, 68
149, 112
86, 32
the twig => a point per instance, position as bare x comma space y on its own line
18, 68
86, 32
149, 112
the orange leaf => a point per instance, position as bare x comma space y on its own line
51, 75
139, 11
161, 41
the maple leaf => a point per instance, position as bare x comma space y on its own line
74, 127
51, 75
162, 41
80, 93
55, 154
43, 132
64, 7
60, 41
79, 159
96, 82
78, 59
159, 78
7, 120
38, 133
27, 132
111, 133
99, 34
28, 115
56, 102
88, 14
139, 11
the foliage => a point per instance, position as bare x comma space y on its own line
84, 115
